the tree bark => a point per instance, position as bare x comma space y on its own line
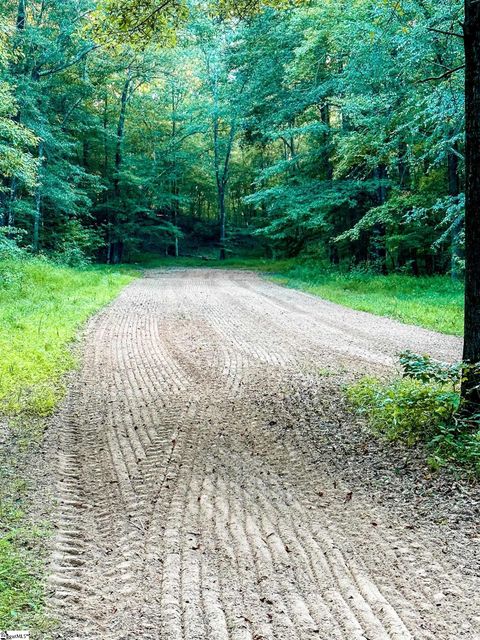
454, 190
37, 220
120, 134
116, 249
222, 220
378, 250
471, 351
21, 15
175, 189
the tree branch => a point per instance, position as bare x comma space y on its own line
80, 56
446, 33
447, 74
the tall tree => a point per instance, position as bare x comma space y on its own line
471, 351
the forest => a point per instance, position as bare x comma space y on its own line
239, 314
332, 129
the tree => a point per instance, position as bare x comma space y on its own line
471, 352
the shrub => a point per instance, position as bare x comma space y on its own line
422, 406
9, 243
425, 368
405, 409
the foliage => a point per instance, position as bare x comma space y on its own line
406, 409
309, 125
423, 406
9, 243
425, 368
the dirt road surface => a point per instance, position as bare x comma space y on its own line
193, 502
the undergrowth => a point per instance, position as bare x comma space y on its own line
21, 568
423, 406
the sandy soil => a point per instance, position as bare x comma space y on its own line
205, 490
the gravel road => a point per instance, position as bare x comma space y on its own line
193, 503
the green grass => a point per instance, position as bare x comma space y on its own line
41, 307
431, 302
21, 569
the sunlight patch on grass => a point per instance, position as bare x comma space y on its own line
41, 308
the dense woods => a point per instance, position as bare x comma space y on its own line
335, 129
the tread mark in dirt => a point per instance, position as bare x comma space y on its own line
187, 507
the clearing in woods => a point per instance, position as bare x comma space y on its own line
194, 500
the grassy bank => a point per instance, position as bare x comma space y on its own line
431, 302
42, 306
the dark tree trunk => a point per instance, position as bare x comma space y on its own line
175, 189
378, 250
222, 218
117, 244
21, 14
454, 190
471, 351
120, 134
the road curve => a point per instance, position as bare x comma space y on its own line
188, 511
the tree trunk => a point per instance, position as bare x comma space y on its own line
471, 350
175, 189
117, 244
378, 250
120, 134
221, 215
21, 15
454, 190
38, 204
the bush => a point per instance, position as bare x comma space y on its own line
422, 406
9, 243
77, 246
406, 409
